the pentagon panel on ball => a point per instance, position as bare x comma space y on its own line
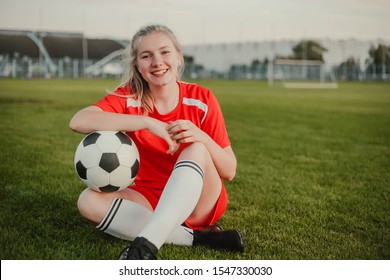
107, 161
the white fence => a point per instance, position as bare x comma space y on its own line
67, 68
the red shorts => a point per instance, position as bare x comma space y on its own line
153, 196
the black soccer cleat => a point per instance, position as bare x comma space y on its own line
139, 249
229, 240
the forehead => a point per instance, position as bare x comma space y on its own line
154, 41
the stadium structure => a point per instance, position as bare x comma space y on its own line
29, 54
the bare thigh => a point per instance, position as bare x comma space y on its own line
95, 205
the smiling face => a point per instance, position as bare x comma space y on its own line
158, 59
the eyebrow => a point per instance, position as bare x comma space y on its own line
161, 48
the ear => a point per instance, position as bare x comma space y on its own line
180, 61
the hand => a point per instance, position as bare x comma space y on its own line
184, 131
159, 128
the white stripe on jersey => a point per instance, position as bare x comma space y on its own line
197, 103
133, 103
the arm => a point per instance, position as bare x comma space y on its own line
184, 131
224, 159
93, 118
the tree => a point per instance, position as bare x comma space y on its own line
238, 71
378, 64
188, 59
308, 50
192, 69
255, 65
348, 70
380, 55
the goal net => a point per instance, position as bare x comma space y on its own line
291, 73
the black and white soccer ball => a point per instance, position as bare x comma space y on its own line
107, 161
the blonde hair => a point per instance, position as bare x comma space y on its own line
132, 78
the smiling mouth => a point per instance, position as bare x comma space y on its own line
159, 72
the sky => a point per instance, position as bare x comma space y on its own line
205, 21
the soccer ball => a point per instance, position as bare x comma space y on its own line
107, 161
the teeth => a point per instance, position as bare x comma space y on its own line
159, 72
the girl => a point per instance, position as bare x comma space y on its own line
184, 148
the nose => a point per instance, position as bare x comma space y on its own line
157, 60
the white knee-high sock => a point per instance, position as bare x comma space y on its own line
178, 200
125, 219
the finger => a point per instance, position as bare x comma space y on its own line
173, 130
172, 124
174, 149
179, 125
171, 144
187, 140
181, 135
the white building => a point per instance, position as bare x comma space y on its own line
220, 57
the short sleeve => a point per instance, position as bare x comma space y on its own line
114, 102
214, 123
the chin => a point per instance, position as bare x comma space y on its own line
162, 82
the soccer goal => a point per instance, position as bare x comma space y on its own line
291, 73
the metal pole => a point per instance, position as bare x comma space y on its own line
383, 61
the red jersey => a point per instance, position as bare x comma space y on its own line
196, 104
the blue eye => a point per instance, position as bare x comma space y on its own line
145, 55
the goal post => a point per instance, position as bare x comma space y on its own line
292, 73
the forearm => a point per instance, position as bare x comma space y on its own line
224, 159
93, 119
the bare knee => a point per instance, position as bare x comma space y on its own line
197, 152
92, 205
83, 203
197, 147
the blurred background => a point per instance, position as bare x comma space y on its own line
313, 175
322, 41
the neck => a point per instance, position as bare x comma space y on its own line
161, 93
166, 97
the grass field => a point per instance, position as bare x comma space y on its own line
313, 179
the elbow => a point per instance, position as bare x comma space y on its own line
77, 126
230, 176
231, 172
230, 166
74, 126
83, 121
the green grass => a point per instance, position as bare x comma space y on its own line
313, 179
